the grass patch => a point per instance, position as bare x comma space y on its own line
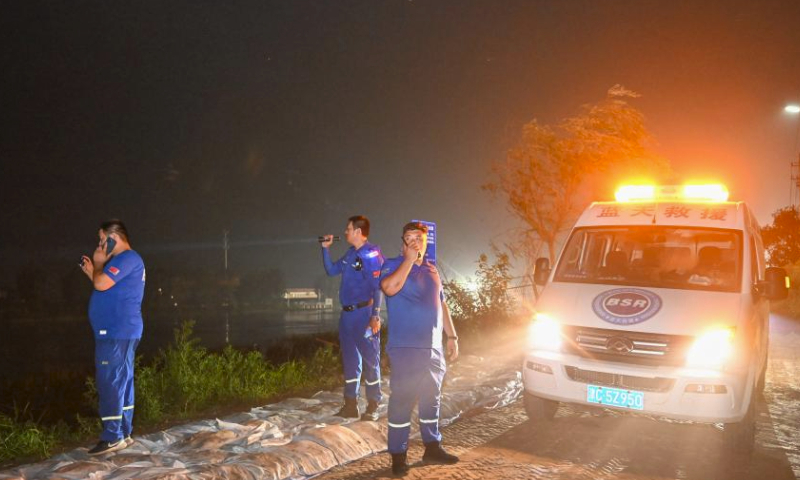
24, 438
181, 382
186, 378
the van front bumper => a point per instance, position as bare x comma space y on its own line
669, 391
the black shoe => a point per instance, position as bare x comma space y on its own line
399, 465
350, 408
434, 453
371, 414
107, 447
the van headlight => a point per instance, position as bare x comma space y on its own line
711, 349
544, 333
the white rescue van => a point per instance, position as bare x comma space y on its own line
658, 304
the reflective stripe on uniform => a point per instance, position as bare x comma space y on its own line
105, 419
399, 425
424, 420
351, 380
373, 383
130, 407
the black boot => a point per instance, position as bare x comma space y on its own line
399, 465
434, 453
371, 413
350, 408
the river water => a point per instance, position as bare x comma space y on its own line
57, 347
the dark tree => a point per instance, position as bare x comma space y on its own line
782, 237
554, 171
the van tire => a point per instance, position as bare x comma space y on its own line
739, 438
539, 409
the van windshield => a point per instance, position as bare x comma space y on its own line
666, 257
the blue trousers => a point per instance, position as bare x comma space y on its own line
114, 379
356, 349
417, 375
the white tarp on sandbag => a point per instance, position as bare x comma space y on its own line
293, 439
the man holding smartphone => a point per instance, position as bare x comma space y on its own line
360, 321
115, 313
417, 317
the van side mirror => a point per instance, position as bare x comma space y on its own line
541, 271
775, 285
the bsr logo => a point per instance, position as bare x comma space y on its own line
626, 304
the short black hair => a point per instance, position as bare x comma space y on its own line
415, 226
115, 225
362, 222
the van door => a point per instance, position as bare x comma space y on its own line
760, 312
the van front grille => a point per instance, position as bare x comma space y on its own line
627, 347
644, 384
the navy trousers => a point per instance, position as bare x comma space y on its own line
417, 375
114, 380
357, 350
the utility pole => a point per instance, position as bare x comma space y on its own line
794, 187
225, 247
794, 178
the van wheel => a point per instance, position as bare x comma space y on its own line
739, 438
539, 409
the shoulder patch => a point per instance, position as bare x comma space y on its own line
113, 270
373, 254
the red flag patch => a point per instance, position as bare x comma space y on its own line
376, 274
113, 270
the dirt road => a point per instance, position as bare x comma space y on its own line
604, 444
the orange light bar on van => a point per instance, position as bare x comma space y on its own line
651, 193
708, 193
635, 193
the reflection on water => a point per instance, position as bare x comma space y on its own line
45, 346
260, 330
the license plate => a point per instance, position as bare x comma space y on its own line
615, 397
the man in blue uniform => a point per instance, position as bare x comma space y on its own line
115, 313
417, 316
359, 323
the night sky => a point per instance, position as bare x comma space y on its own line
278, 120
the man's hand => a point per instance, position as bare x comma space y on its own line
327, 242
375, 324
411, 251
87, 266
94, 269
100, 258
452, 348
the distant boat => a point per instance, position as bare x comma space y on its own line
306, 299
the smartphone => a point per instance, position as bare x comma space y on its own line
110, 244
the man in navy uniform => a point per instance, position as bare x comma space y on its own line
115, 313
359, 323
417, 316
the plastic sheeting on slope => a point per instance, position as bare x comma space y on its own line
293, 439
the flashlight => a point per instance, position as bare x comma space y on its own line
335, 239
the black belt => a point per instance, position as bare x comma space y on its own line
350, 308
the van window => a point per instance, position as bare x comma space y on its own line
653, 256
